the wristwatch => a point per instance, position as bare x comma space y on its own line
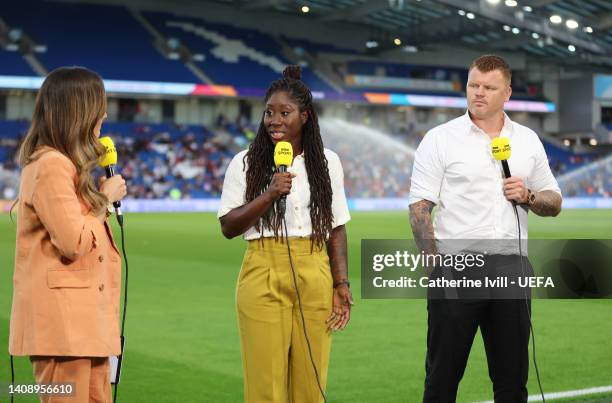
109, 210
530, 198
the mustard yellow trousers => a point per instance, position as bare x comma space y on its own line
276, 364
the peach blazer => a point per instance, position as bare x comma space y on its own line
67, 280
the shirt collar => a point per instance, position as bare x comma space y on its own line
298, 162
506, 131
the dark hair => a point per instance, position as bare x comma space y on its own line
260, 162
486, 63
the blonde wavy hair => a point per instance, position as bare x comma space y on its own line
69, 104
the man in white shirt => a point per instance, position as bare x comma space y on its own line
454, 170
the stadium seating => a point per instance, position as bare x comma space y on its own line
591, 180
13, 129
13, 64
402, 70
81, 34
192, 159
314, 47
126, 51
240, 57
189, 161
106, 39
562, 160
157, 159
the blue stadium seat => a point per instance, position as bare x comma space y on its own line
13, 64
563, 160
13, 129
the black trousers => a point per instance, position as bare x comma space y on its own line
452, 325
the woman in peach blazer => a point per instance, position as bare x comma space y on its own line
67, 279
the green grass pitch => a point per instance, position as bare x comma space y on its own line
182, 338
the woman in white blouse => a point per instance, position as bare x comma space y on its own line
283, 360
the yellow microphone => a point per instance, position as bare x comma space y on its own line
108, 162
110, 158
283, 157
500, 148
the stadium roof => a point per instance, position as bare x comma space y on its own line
583, 36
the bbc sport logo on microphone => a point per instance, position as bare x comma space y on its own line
283, 154
110, 158
500, 147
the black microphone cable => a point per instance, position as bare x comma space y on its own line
125, 300
12, 378
533, 343
314, 367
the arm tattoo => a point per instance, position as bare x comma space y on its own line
422, 226
547, 203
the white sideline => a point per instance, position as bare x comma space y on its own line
568, 393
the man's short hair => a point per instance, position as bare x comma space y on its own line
487, 63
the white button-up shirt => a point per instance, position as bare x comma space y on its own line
297, 212
455, 169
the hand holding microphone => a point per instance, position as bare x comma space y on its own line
515, 190
113, 187
281, 181
280, 185
514, 187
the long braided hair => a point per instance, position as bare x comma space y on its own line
260, 162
